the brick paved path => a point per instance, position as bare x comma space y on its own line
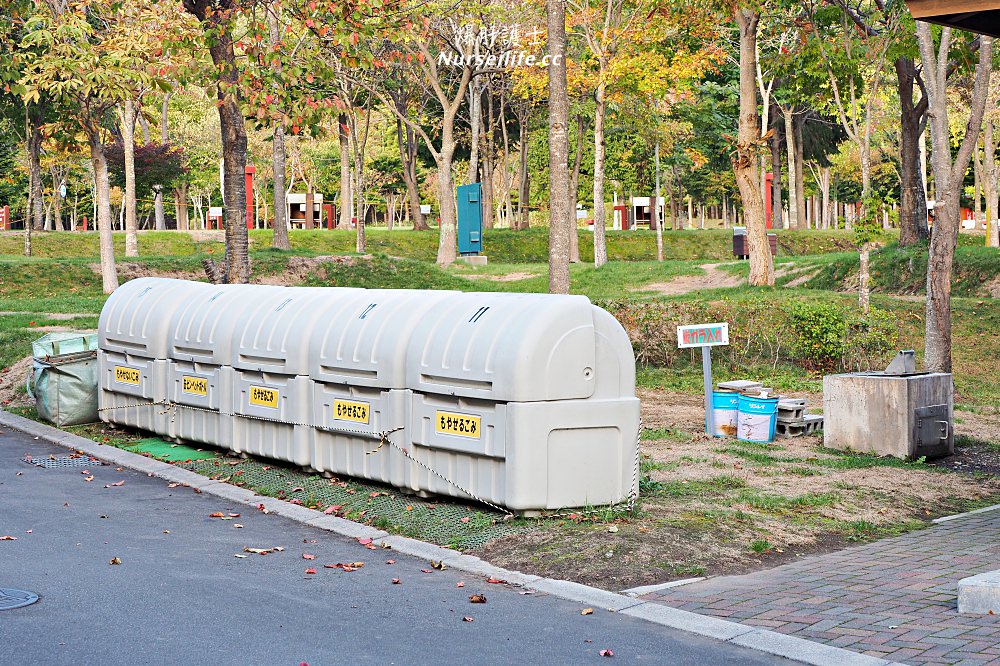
896, 598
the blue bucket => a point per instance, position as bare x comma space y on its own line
757, 419
725, 406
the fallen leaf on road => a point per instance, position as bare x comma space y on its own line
395, 581
217, 514
115, 560
116, 483
86, 471
587, 611
440, 566
28, 531
459, 584
426, 571
89, 478
234, 515
7, 537
607, 653
242, 557
390, 561
262, 551
238, 526
496, 581
365, 541
172, 485
526, 591
308, 556
466, 619
477, 598
333, 508
310, 571
261, 507
166, 531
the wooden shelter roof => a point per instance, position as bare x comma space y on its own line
980, 16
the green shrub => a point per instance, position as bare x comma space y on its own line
820, 330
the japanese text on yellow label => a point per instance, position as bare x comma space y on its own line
194, 385
349, 410
461, 425
127, 375
264, 397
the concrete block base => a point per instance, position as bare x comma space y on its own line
980, 594
474, 260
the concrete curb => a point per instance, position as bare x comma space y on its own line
945, 519
762, 640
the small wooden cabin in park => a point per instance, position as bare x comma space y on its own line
979, 16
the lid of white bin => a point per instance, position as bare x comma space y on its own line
505, 347
274, 329
203, 327
135, 319
365, 343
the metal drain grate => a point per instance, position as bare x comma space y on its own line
62, 462
10, 599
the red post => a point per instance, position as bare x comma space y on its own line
5, 218
249, 171
328, 211
84, 223
769, 200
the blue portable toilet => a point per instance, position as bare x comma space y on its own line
470, 219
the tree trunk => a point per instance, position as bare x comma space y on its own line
279, 238
487, 169
761, 263
777, 205
181, 207
793, 196
447, 230
574, 183
346, 200
864, 288
109, 276
802, 221
128, 138
990, 167
407, 140
56, 199
600, 244
912, 199
948, 176
35, 172
524, 192
656, 207
475, 119
559, 194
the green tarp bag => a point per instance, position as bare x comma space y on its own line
63, 378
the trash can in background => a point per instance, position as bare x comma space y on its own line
63, 378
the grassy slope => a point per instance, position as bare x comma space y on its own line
62, 279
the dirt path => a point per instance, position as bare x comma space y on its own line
716, 278
713, 278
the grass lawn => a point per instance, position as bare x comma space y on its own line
706, 506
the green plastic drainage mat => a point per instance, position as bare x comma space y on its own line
446, 523
169, 452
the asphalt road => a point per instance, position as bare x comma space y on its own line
181, 596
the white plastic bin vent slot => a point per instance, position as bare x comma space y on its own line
505, 347
364, 341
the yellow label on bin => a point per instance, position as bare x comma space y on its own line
349, 410
125, 375
265, 397
194, 385
460, 425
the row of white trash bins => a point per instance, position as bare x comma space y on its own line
523, 400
